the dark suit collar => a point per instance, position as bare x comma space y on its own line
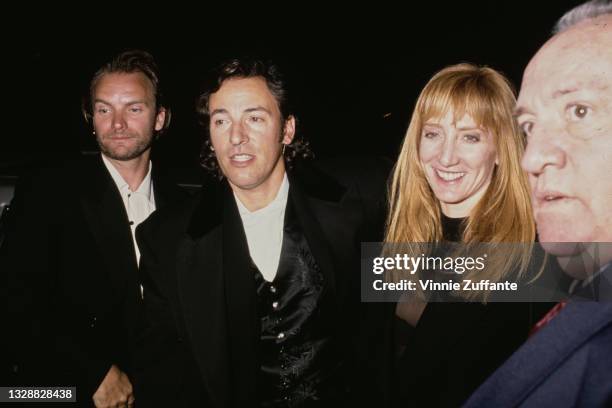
307, 212
107, 218
315, 183
95, 179
165, 189
306, 179
217, 291
241, 305
209, 211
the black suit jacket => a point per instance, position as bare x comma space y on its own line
200, 335
71, 275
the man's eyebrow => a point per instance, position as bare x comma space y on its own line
520, 110
137, 101
217, 111
134, 102
562, 92
248, 110
258, 109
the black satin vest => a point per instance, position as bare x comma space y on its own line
300, 363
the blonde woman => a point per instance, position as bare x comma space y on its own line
458, 178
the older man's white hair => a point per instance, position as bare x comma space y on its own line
585, 11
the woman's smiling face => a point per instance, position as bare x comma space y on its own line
458, 158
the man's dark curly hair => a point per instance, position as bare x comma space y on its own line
248, 68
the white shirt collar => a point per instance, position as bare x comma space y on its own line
264, 231
144, 188
279, 203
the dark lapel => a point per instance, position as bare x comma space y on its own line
165, 190
316, 199
217, 294
108, 221
240, 292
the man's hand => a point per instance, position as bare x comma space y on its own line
115, 391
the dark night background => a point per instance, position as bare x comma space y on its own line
354, 80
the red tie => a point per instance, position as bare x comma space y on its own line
548, 317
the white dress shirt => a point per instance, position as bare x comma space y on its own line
138, 204
264, 231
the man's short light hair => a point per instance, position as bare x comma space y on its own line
585, 11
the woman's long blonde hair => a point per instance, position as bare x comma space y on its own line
503, 214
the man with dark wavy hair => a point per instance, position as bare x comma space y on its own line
70, 254
251, 291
